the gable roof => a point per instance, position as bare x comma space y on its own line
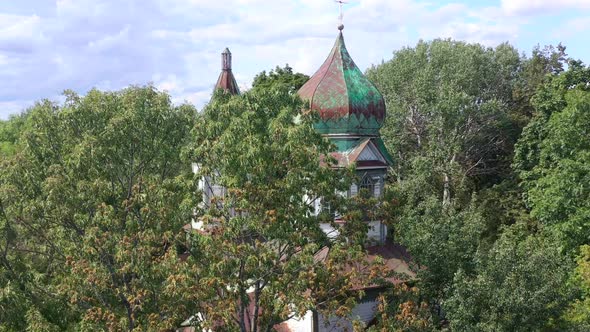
363, 152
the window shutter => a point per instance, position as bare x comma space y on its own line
353, 190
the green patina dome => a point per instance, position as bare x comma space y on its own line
348, 103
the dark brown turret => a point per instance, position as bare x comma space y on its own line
226, 80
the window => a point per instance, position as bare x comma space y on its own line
368, 184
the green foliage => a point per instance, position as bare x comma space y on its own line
261, 240
10, 131
578, 314
455, 113
448, 102
451, 130
278, 79
90, 207
94, 194
537, 71
520, 285
442, 240
552, 157
549, 98
403, 309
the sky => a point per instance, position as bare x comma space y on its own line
47, 46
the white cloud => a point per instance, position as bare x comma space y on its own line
530, 7
573, 27
176, 44
8, 108
169, 83
579, 25
19, 34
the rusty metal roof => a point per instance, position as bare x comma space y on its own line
348, 103
226, 80
393, 256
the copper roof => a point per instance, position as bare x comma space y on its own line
349, 149
348, 103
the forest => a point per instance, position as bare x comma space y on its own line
489, 194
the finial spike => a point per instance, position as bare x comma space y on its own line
341, 16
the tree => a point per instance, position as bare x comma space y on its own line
403, 309
456, 111
520, 285
90, 208
549, 98
264, 256
449, 102
536, 71
451, 132
578, 314
279, 78
551, 157
442, 240
9, 133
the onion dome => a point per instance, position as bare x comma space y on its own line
226, 80
348, 103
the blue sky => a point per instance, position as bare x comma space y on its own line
48, 46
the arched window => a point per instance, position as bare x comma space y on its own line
368, 184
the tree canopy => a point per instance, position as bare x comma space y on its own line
89, 208
471, 195
260, 240
552, 156
279, 78
105, 226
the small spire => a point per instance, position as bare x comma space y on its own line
226, 60
341, 16
227, 81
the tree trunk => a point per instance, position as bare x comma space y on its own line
446, 189
254, 327
447, 184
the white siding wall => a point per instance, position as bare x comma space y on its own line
303, 324
378, 185
329, 230
377, 231
364, 311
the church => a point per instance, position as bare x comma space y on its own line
351, 113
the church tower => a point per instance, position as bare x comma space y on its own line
228, 84
226, 80
352, 112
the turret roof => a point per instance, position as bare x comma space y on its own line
227, 81
348, 103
